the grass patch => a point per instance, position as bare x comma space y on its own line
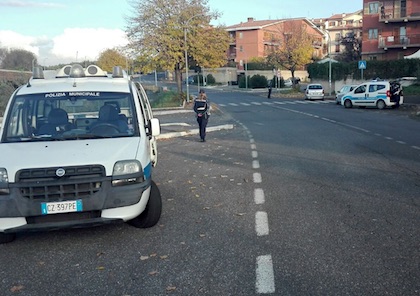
411, 90
164, 99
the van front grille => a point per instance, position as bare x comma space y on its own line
44, 184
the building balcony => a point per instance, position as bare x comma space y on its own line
317, 44
403, 42
390, 15
274, 42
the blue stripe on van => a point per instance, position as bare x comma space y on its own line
148, 171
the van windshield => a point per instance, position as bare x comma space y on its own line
70, 116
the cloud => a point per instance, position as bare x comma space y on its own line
17, 3
11, 40
87, 43
74, 44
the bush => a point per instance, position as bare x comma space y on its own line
382, 69
242, 82
165, 99
6, 90
258, 81
210, 79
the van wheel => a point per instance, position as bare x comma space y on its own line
151, 214
380, 104
7, 237
348, 104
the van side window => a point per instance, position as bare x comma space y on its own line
361, 89
376, 87
373, 88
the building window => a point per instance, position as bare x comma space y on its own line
373, 7
373, 58
337, 37
373, 33
337, 48
241, 35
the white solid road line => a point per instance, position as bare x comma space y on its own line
175, 123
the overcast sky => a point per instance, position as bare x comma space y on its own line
59, 31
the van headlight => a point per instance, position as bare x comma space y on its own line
4, 181
127, 172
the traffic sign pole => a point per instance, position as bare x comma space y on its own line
362, 66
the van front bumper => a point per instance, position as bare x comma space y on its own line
108, 205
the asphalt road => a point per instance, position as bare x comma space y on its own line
298, 198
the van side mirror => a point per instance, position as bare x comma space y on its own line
154, 127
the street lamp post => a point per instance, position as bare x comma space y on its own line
186, 55
246, 73
327, 33
186, 64
246, 67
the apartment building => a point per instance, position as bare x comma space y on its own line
340, 26
255, 38
391, 29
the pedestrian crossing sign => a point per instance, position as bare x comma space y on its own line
362, 65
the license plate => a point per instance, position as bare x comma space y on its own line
61, 207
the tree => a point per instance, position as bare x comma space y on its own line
3, 52
110, 58
353, 48
18, 59
156, 32
296, 49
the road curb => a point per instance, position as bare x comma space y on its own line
194, 131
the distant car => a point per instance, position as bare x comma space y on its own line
289, 82
345, 89
190, 80
314, 92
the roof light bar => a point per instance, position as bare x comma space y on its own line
77, 71
117, 72
38, 73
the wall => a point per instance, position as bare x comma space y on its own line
11, 75
223, 75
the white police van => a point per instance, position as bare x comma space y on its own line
77, 150
380, 94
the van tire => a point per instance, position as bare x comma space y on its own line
348, 104
7, 237
151, 214
380, 104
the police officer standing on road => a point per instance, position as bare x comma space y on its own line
202, 110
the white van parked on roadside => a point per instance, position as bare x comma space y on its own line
380, 94
77, 150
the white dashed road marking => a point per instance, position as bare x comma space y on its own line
264, 283
255, 164
261, 223
265, 275
257, 178
259, 197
